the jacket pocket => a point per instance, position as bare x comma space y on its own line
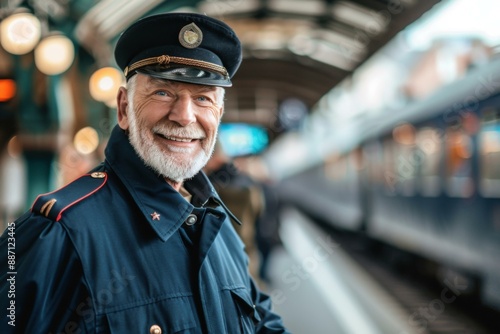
170, 315
247, 312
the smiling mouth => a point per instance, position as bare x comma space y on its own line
178, 139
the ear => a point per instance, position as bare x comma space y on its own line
122, 108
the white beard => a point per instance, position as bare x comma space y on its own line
162, 162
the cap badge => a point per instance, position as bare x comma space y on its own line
190, 36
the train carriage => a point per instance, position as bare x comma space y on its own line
425, 179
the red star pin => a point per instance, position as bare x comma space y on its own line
155, 216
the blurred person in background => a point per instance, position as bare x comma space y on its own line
242, 195
267, 226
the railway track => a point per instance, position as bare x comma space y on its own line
434, 305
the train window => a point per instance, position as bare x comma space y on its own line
406, 166
459, 150
489, 160
373, 153
428, 157
390, 177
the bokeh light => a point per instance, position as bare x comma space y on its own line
104, 84
20, 33
54, 54
86, 140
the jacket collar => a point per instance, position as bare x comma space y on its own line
162, 206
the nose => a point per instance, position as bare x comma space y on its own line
182, 111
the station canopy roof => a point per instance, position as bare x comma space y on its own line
292, 48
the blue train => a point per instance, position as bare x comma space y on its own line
425, 179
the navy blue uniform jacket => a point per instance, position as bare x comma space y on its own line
112, 253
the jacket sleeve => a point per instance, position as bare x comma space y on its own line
270, 321
41, 283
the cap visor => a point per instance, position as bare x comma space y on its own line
187, 74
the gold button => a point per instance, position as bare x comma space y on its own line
155, 329
98, 175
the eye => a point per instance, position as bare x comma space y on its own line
163, 94
204, 100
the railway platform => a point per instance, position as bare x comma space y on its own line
318, 289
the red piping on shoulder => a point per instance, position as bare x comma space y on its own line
82, 198
73, 203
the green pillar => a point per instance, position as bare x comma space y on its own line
38, 125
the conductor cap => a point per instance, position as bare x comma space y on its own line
184, 47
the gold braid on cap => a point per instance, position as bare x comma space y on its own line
165, 60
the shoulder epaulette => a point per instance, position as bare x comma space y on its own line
53, 204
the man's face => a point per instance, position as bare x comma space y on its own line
172, 125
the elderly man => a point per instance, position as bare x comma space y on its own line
143, 243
